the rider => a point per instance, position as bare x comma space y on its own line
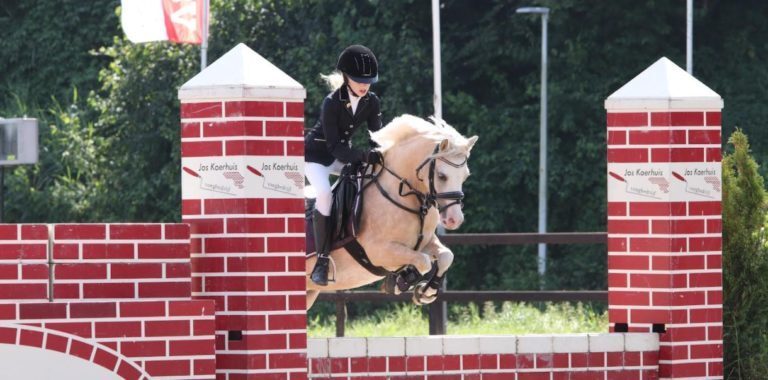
327, 145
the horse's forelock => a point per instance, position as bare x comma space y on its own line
407, 126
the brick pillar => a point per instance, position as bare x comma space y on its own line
664, 217
242, 179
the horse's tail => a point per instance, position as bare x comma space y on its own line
333, 80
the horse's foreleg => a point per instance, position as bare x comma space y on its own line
444, 257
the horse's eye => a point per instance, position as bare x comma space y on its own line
441, 176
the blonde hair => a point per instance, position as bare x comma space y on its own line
334, 80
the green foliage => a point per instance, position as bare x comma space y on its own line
745, 264
507, 318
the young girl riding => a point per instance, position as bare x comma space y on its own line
328, 146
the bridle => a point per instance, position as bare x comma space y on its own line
426, 200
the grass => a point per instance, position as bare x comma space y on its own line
507, 318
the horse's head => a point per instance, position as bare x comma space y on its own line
448, 169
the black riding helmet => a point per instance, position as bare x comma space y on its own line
359, 64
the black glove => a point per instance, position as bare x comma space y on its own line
374, 157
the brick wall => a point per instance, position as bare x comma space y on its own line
576, 356
248, 249
120, 297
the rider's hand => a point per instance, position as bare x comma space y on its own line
374, 157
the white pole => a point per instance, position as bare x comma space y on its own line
204, 45
543, 151
689, 37
438, 97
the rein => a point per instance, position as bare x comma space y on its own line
426, 201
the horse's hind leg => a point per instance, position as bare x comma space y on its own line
311, 297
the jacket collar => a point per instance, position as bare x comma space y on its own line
343, 94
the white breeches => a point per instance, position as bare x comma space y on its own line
318, 176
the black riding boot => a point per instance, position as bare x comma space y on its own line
322, 227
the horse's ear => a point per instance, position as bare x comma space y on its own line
444, 145
472, 141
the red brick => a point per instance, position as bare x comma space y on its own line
66, 291
622, 155
704, 137
646, 137
23, 291
104, 359
208, 264
285, 206
678, 298
256, 225
715, 333
287, 360
297, 302
617, 280
7, 311
80, 271
127, 371
628, 298
294, 148
192, 347
142, 309
684, 227
135, 231
657, 244
8, 335
118, 329
204, 367
143, 348
713, 155
627, 119
628, 262
191, 207
713, 119
707, 315
241, 322
705, 208
674, 370
165, 290
649, 316
81, 329
176, 231
296, 264
627, 226
684, 262
34, 272
285, 128
254, 148
234, 284
706, 351
203, 327
9, 271
109, 290
200, 110
93, 310
617, 209
705, 244
686, 119
80, 231
164, 251
653, 280
168, 367
81, 349
287, 322
358, 365
614, 359
256, 264
299, 341
657, 208
286, 283
56, 343
177, 271
190, 130
34, 232
677, 155
136, 270
23, 251
108, 251
254, 303
254, 108
9, 232
715, 368
190, 308
260, 342
167, 328
714, 297
66, 251
296, 225
234, 245
234, 206
43, 311
294, 109
206, 226
201, 149
286, 244
233, 128
617, 137
714, 226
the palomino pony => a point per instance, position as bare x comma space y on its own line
419, 186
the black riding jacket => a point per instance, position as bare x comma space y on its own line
329, 139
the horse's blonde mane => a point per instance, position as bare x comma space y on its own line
407, 126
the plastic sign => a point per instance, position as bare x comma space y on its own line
18, 142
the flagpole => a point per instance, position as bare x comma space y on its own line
204, 45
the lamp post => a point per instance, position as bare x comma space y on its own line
542, 263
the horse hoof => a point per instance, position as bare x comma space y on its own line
419, 296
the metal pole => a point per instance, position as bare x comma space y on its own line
543, 151
204, 45
689, 37
438, 97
